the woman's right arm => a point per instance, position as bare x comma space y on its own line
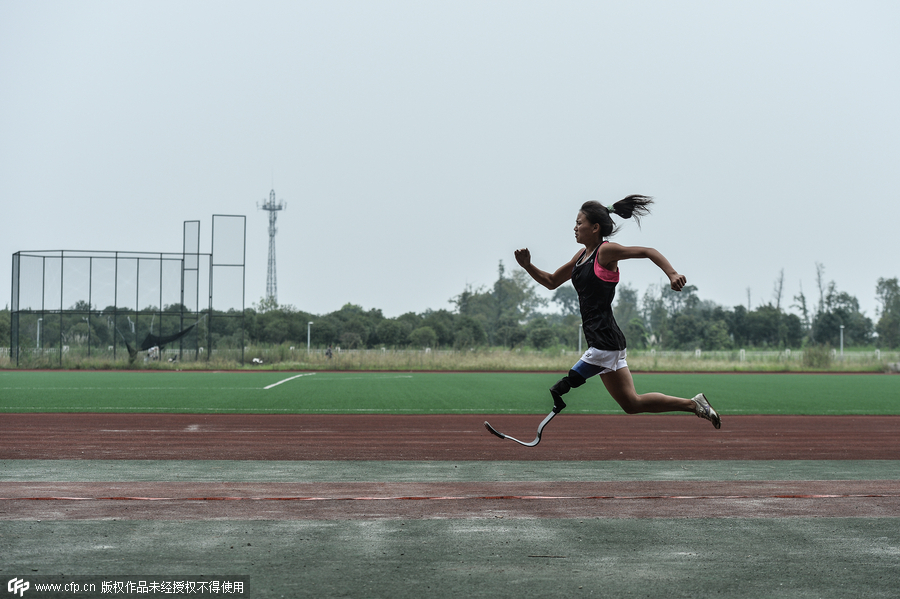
548, 280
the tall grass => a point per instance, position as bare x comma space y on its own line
284, 357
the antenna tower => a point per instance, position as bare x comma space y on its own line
272, 207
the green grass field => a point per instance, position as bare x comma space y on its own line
427, 393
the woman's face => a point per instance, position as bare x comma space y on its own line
585, 230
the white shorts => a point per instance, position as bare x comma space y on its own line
606, 360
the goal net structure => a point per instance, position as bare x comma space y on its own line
70, 305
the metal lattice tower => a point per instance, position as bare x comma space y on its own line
272, 207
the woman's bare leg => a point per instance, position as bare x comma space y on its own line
621, 386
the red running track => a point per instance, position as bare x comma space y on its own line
452, 438
444, 437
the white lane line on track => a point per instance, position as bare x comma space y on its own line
288, 379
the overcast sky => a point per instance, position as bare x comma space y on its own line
417, 144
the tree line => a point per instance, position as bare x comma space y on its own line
511, 314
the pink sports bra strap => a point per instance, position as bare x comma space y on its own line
603, 274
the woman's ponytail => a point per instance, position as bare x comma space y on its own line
633, 206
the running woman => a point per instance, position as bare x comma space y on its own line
594, 272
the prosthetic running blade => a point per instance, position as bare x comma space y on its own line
537, 439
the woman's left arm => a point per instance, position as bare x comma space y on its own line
613, 252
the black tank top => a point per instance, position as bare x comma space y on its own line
596, 289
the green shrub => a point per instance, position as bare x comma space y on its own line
817, 356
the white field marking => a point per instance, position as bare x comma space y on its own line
376, 378
288, 379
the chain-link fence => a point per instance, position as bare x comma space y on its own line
71, 305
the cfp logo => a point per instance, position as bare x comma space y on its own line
17, 586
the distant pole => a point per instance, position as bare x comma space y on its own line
40, 320
308, 327
842, 340
272, 207
579, 337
